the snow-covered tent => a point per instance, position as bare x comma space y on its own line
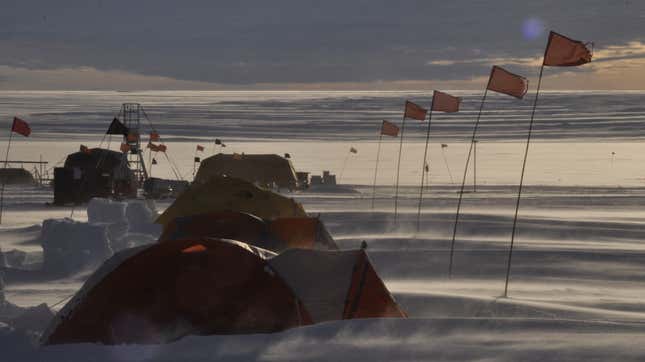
275, 235
220, 193
161, 292
266, 170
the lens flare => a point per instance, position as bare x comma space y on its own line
532, 28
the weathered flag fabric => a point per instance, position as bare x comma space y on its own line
564, 52
444, 102
389, 129
415, 111
21, 127
503, 81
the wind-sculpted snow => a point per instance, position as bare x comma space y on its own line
445, 339
327, 115
576, 286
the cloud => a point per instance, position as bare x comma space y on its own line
87, 78
301, 42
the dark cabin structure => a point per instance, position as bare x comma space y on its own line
96, 172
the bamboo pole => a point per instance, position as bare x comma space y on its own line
463, 184
519, 191
378, 154
4, 176
398, 172
423, 168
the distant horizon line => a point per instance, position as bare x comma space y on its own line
313, 90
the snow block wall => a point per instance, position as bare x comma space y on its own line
105, 211
141, 215
70, 245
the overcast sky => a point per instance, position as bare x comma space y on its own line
331, 44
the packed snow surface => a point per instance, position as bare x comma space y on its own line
577, 280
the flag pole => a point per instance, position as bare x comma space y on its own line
194, 157
398, 171
475, 165
445, 161
4, 176
519, 191
342, 170
150, 162
423, 168
378, 154
463, 183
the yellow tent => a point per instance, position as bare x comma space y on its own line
265, 170
220, 194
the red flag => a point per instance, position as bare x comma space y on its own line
564, 52
20, 126
156, 148
503, 81
154, 136
200, 148
132, 137
444, 102
125, 147
414, 111
389, 129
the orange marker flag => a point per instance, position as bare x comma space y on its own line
132, 137
564, 52
415, 111
200, 148
21, 127
503, 81
444, 102
154, 136
389, 129
156, 148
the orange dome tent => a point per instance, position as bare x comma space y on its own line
161, 292
275, 235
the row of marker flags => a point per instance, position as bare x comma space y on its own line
560, 51
118, 128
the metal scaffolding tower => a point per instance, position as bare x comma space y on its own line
131, 113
